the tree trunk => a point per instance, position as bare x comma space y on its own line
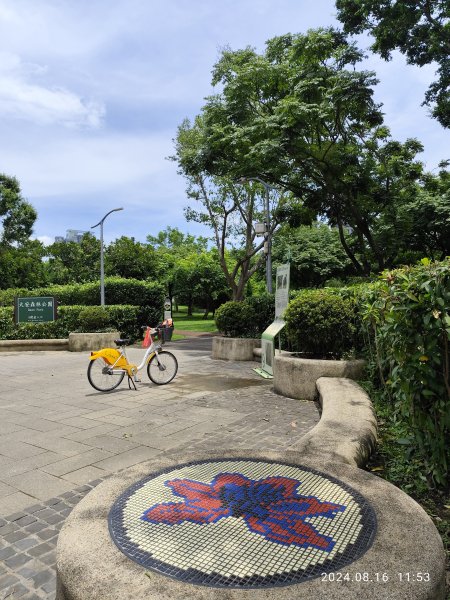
349, 253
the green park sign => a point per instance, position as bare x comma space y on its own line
38, 309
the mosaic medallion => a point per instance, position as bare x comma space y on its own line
242, 523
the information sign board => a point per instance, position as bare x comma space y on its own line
282, 290
37, 309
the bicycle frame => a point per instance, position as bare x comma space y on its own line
119, 359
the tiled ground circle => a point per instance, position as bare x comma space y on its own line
242, 523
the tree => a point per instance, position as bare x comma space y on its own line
420, 29
20, 257
17, 215
130, 259
315, 254
303, 118
200, 281
72, 262
231, 210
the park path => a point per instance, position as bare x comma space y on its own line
59, 438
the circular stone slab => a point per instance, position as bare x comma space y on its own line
242, 523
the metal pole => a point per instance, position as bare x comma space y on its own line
269, 242
102, 268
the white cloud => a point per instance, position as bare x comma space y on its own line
45, 239
22, 99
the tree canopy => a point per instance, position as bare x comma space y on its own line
420, 29
302, 117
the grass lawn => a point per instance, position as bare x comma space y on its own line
196, 322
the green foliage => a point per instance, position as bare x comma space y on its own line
315, 254
16, 214
94, 318
125, 318
407, 316
305, 119
322, 322
125, 257
419, 29
72, 262
117, 291
246, 319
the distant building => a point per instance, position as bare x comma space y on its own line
72, 235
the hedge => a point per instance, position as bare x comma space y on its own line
117, 291
407, 321
127, 319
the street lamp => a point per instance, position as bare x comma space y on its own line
102, 268
267, 236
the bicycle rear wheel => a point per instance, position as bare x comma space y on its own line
101, 377
162, 367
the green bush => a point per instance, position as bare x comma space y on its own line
322, 322
117, 291
72, 319
246, 319
94, 318
407, 316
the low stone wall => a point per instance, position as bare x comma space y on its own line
347, 430
296, 377
225, 348
79, 342
30, 345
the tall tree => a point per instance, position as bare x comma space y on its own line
127, 258
20, 257
420, 29
300, 116
172, 246
16, 214
72, 262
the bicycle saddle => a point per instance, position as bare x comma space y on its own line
123, 342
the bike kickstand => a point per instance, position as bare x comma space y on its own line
130, 379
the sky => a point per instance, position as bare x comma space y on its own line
92, 93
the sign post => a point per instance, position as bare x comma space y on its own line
274, 329
38, 309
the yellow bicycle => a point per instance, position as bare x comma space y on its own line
108, 366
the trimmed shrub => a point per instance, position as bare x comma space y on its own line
94, 318
323, 323
234, 319
81, 319
117, 291
246, 319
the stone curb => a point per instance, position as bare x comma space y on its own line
33, 345
227, 348
347, 430
296, 377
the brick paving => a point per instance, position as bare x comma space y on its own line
59, 438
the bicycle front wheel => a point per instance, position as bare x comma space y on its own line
162, 367
101, 377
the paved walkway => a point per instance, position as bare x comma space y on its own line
59, 438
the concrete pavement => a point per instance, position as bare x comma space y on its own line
59, 437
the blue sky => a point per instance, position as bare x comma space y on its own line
92, 93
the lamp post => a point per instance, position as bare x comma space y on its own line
102, 267
267, 236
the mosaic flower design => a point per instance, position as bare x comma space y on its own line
270, 507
